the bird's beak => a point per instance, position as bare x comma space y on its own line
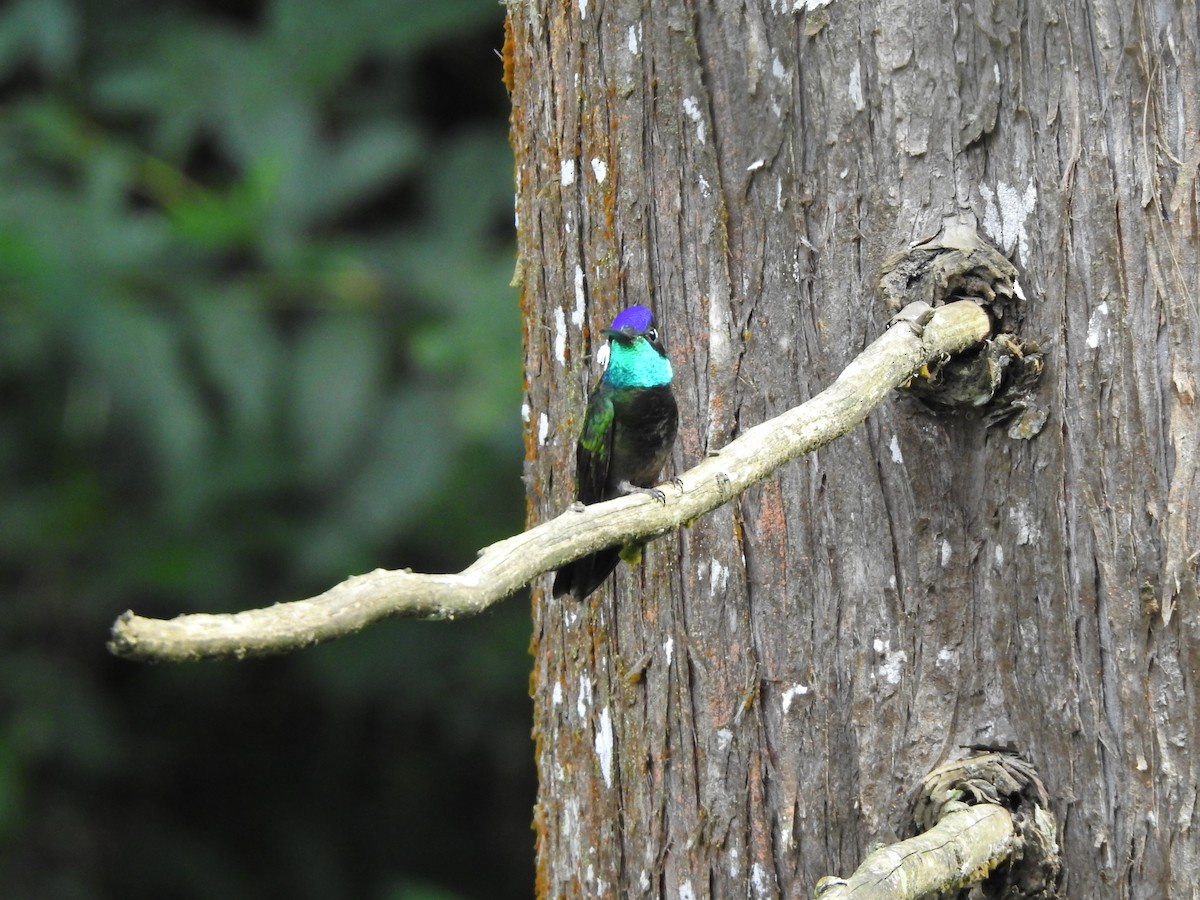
625, 334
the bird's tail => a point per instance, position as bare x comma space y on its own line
584, 575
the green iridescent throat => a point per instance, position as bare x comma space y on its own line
637, 364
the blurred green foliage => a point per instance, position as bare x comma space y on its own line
256, 336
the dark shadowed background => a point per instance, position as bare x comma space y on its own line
256, 335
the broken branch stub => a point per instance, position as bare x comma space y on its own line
985, 825
1003, 779
997, 379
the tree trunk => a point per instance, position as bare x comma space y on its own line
752, 706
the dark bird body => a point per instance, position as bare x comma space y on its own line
628, 432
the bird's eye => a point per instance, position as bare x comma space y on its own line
652, 335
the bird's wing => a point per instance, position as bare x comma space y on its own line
593, 455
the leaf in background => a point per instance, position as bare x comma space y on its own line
192, 79
404, 465
45, 30
140, 357
243, 356
346, 29
316, 178
337, 385
470, 183
477, 342
366, 160
388, 487
219, 219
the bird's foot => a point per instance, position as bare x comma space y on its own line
626, 487
577, 506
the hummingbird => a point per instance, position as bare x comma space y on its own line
628, 431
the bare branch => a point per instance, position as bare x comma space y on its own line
505, 567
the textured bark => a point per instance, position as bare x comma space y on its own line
752, 707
